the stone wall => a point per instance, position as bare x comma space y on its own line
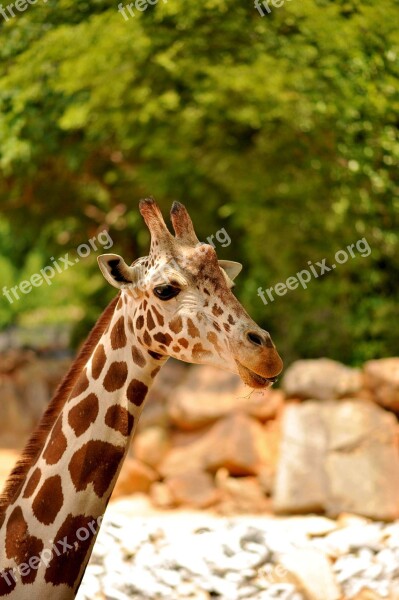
27, 384
326, 442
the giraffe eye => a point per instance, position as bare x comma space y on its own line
166, 292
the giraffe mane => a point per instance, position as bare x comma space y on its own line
37, 439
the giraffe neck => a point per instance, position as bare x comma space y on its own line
50, 527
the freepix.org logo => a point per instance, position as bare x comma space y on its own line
264, 8
58, 265
315, 271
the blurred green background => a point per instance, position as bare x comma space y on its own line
282, 129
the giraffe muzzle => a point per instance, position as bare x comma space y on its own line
254, 379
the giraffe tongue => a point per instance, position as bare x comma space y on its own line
253, 379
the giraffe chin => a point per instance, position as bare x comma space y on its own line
253, 379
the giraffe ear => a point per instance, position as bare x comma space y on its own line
231, 268
116, 271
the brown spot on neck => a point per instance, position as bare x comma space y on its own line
116, 376
136, 392
64, 567
81, 385
7, 582
82, 415
48, 501
138, 356
37, 440
99, 360
118, 335
20, 545
57, 444
118, 418
155, 371
32, 483
95, 462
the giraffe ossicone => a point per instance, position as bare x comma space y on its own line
178, 302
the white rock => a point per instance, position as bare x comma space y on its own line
390, 561
189, 556
314, 571
348, 566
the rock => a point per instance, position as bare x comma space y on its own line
193, 488
11, 411
8, 459
155, 412
381, 379
12, 360
314, 572
321, 379
349, 520
264, 405
55, 369
33, 390
161, 495
143, 554
190, 453
240, 494
134, 477
338, 457
218, 448
367, 594
266, 480
26, 386
150, 445
351, 538
209, 394
309, 526
271, 447
363, 461
238, 443
301, 484
277, 574
173, 374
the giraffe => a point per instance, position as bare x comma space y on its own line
177, 302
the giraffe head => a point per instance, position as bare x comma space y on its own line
179, 302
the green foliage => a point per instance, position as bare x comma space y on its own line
282, 129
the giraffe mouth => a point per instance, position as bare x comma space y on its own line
253, 379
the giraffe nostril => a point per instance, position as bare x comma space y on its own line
255, 338
261, 338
